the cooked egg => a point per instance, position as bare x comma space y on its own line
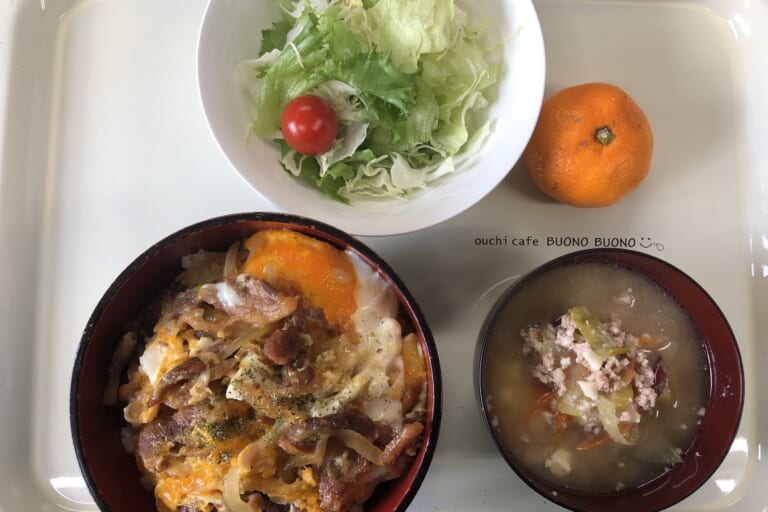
374, 299
363, 365
162, 354
352, 295
381, 376
322, 274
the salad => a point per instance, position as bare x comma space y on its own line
370, 98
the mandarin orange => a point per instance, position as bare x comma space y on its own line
592, 145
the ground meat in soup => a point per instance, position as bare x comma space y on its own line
599, 386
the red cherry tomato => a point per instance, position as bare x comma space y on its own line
309, 124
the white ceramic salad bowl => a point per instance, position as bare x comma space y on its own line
231, 33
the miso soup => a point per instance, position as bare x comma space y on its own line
594, 377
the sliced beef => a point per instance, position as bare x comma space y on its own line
312, 321
283, 346
403, 442
348, 419
300, 438
270, 506
176, 305
345, 479
205, 319
165, 434
304, 436
186, 371
352, 419
248, 299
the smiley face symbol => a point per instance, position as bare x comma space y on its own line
646, 242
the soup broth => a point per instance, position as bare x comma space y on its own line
571, 454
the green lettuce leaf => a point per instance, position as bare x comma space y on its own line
407, 29
275, 37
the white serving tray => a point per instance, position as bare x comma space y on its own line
104, 150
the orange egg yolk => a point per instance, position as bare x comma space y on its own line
293, 262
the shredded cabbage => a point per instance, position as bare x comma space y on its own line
407, 79
623, 397
607, 411
571, 403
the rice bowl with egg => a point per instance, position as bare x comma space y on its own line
260, 369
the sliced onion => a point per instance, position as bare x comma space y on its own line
361, 445
260, 456
247, 337
232, 492
278, 492
230, 261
